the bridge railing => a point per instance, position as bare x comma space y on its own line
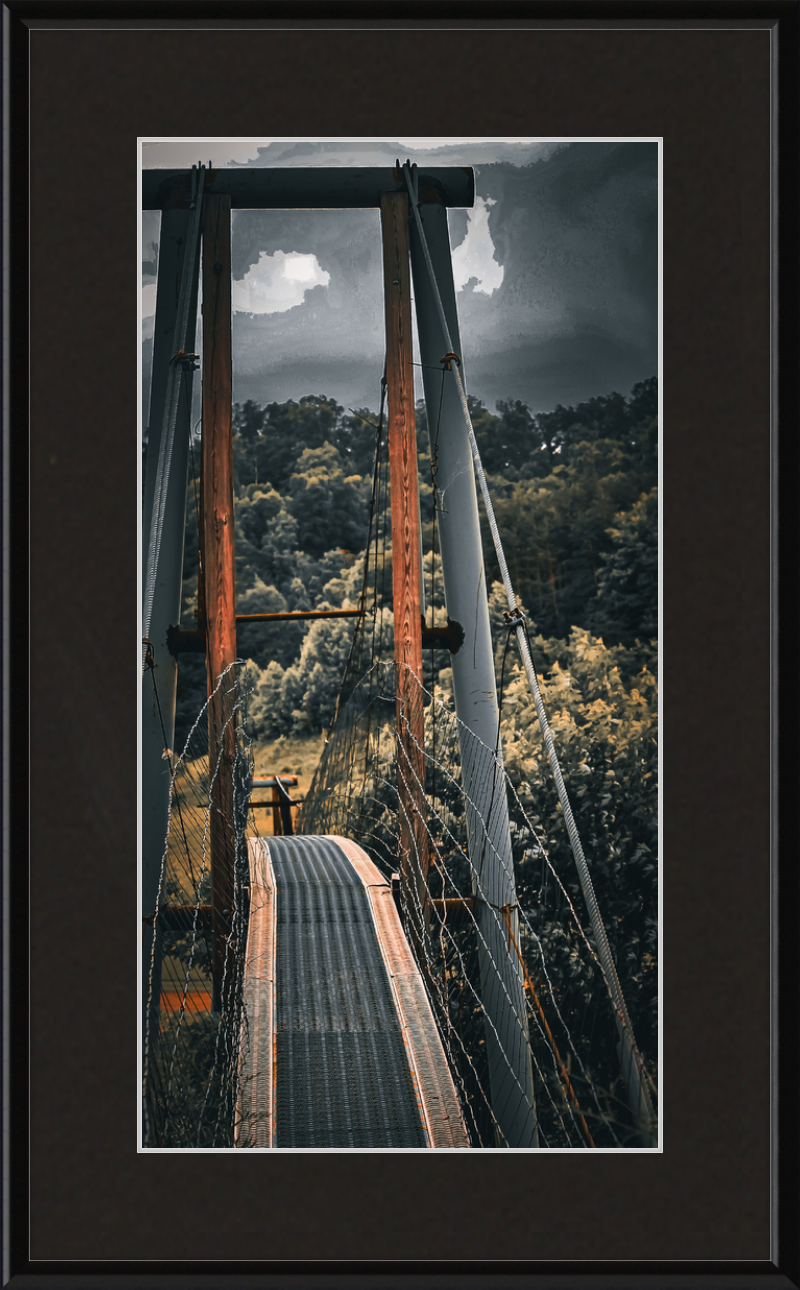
193, 1033
580, 1095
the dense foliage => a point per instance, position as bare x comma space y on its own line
576, 501
602, 707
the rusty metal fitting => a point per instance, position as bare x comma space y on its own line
517, 619
450, 637
188, 361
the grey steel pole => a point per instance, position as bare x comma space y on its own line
630, 1058
218, 522
474, 684
158, 714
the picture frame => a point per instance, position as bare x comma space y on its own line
718, 1206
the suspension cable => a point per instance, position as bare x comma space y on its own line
637, 1085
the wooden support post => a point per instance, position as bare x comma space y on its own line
276, 813
405, 551
218, 566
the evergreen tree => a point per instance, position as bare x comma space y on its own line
627, 595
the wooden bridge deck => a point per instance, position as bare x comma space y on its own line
340, 1046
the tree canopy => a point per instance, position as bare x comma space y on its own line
575, 493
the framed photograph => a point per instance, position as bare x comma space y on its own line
431, 762
373, 916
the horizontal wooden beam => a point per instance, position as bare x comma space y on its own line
192, 640
294, 801
307, 187
454, 909
181, 918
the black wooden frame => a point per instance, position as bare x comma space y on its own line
71, 644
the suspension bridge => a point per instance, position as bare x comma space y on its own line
383, 971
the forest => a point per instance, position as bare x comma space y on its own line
575, 493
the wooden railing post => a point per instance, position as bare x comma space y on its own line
218, 566
405, 551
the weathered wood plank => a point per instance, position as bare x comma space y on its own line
218, 566
405, 541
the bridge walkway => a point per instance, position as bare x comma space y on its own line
340, 1046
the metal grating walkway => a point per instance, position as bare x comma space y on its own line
353, 1064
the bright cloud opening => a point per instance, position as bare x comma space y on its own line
278, 282
148, 300
474, 258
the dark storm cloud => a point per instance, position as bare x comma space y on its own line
575, 230
576, 313
384, 152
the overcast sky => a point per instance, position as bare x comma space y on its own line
556, 270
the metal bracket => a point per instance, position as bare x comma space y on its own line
450, 637
180, 641
515, 619
189, 362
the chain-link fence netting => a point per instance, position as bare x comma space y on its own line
194, 1021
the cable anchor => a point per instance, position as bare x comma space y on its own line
189, 362
448, 360
515, 619
149, 653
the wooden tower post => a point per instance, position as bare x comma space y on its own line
218, 566
406, 586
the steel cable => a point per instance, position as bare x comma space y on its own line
635, 1078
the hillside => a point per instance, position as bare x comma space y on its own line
576, 502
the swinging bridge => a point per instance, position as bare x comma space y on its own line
377, 979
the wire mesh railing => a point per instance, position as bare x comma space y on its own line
194, 1017
360, 791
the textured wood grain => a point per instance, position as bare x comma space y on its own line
405, 540
218, 567
254, 1109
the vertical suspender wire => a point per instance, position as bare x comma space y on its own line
175, 374
630, 1058
435, 505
